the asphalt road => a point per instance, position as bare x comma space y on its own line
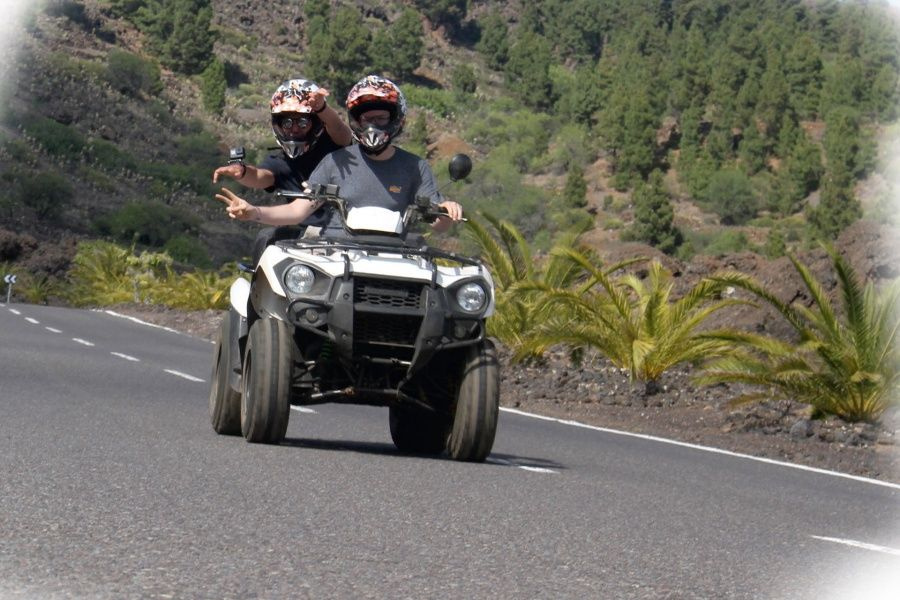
113, 485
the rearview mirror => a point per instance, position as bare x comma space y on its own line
460, 167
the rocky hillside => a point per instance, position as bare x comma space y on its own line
87, 152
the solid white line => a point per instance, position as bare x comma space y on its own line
51, 329
125, 356
855, 544
81, 341
303, 409
653, 438
136, 320
33, 321
14, 311
185, 375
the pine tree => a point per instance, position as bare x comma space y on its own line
212, 87
654, 218
338, 53
575, 190
179, 32
528, 70
838, 208
448, 13
493, 44
406, 44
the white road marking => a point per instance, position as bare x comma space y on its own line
125, 356
509, 463
81, 341
303, 409
653, 438
14, 311
855, 544
184, 375
136, 320
32, 321
51, 329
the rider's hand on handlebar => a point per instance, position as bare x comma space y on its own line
453, 209
237, 207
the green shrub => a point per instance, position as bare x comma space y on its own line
45, 193
463, 79
57, 139
149, 223
132, 75
727, 242
188, 250
440, 102
612, 224
730, 195
109, 157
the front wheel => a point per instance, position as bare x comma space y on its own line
268, 364
224, 395
477, 405
417, 430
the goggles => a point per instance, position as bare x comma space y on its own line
288, 123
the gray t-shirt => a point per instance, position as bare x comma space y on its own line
392, 184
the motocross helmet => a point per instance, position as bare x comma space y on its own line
375, 93
288, 106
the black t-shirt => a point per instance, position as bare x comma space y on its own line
290, 173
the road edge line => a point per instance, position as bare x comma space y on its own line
654, 438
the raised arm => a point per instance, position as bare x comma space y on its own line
337, 128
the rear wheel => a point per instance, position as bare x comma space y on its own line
269, 360
224, 393
477, 405
417, 430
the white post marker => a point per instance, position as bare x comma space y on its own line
10, 279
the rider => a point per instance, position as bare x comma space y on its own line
372, 172
307, 129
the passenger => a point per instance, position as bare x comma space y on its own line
372, 172
307, 129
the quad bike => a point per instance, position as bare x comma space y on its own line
375, 317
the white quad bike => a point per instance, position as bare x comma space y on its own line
377, 318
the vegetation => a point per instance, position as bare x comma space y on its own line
844, 363
636, 324
105, 274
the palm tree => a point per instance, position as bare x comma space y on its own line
844, 364
636, 324
512, 264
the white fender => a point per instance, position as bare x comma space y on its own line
238, 295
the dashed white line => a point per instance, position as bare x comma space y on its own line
83, 342
856, 544
32, 321
303, 409
654, 438
125, 356
184, 375
52, 330
509, 463
14, 311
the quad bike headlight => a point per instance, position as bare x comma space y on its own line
299, 279
471, 297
